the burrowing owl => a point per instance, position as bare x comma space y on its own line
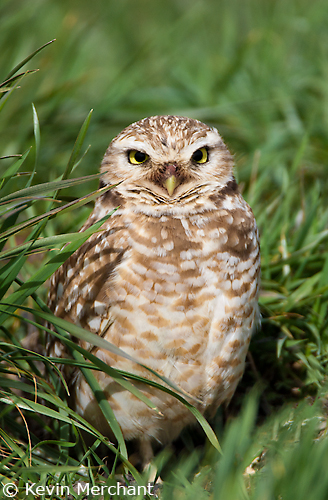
172, 279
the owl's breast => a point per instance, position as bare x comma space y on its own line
164, 274
183, 297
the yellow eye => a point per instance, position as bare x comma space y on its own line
137, 157
200, 155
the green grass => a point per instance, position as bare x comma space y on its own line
258, 72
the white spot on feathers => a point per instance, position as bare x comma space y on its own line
94, 323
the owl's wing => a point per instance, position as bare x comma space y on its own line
78, 288
236, 312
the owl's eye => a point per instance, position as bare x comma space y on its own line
137, 157
200, 155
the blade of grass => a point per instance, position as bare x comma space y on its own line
5, 86
11, 171
36, 129
42, 244
46, 188
305, 227
5, 96
9, 273
103, 403
27, 59
63, 209
11, 442
77, 147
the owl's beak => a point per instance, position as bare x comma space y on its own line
170, 184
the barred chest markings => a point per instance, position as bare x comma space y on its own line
168, 292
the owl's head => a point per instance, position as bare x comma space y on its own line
167, 159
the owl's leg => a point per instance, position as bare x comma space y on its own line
145, 451
146, 455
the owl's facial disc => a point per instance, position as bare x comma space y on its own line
167, 157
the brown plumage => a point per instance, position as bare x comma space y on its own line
173, 278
